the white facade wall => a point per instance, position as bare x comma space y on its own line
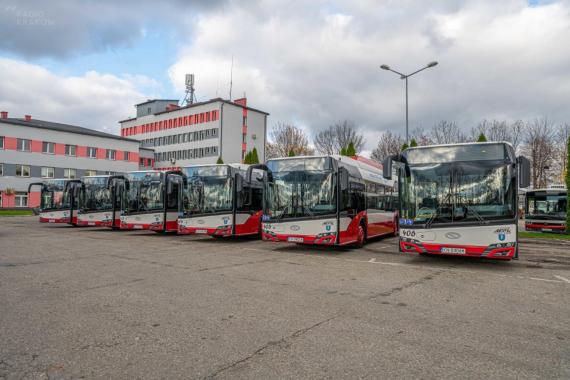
225, 143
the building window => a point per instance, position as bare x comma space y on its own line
21, 200
22, 170
48, 172
69, 173
111, 153
89, 172
1, 170
110, 173
24, 145
1, 142
91, 152
70, 150
48, 147
126, 156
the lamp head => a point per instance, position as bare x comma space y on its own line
385, 67
432, 64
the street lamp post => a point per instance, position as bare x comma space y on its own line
405, 77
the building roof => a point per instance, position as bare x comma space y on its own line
35, 123
157, 100
196, 105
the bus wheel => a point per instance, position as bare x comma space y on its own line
360, 237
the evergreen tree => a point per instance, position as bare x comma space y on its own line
413, 143
342, 151
482, 138
568, 187
254, 156
291, 153
350, 150
404, 147
247, 158
220, 161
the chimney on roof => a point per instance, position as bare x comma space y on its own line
4, 115
28, 117
242, 102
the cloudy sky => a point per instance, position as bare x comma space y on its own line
307, 62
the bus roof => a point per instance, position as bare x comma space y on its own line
446, 153
366, 168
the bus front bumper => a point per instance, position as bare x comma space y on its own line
501, 251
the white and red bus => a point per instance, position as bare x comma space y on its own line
545, 210
59, 200
150, 200
460, 199
99, 201
219, 200
328, 200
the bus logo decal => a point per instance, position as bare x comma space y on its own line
452, 235
295, 227
502, 236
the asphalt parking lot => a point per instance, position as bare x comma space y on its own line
95, 303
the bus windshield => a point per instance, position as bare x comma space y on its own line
144, 192
546, 206
209, 190
96, 196
53, 196
297, 194
458, 192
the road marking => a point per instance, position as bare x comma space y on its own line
562, 278
544, 279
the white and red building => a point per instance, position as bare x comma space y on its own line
32, 150
198, 133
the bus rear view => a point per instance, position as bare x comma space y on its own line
545, 210
460, 199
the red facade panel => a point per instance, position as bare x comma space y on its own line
36, 146
59, 149
81, 151
120, 156
10, 143
34, 199
134, 157
101, 153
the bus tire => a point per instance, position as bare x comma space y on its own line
360, 236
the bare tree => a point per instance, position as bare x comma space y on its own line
447, 132
338, 136
285, 138
421, 136
539, 148
389, 144
517, 129
559, 166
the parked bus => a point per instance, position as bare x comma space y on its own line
219, 200
58, 200
328, 200
150, 200
460, 199
99, 201
545, 210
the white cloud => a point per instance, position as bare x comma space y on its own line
93, 100
317, 62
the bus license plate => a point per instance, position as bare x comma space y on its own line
51, 221
456, 251
294, 239
201, 231
91, 223
547, 229
137, 227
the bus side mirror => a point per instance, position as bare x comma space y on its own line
524, 171
239, 183
343, 178
387, 168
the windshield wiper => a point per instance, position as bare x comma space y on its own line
474, 212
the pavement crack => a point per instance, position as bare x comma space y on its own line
285, 341
407, 285
235, 265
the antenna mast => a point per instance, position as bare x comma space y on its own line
190, 97
231, 77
